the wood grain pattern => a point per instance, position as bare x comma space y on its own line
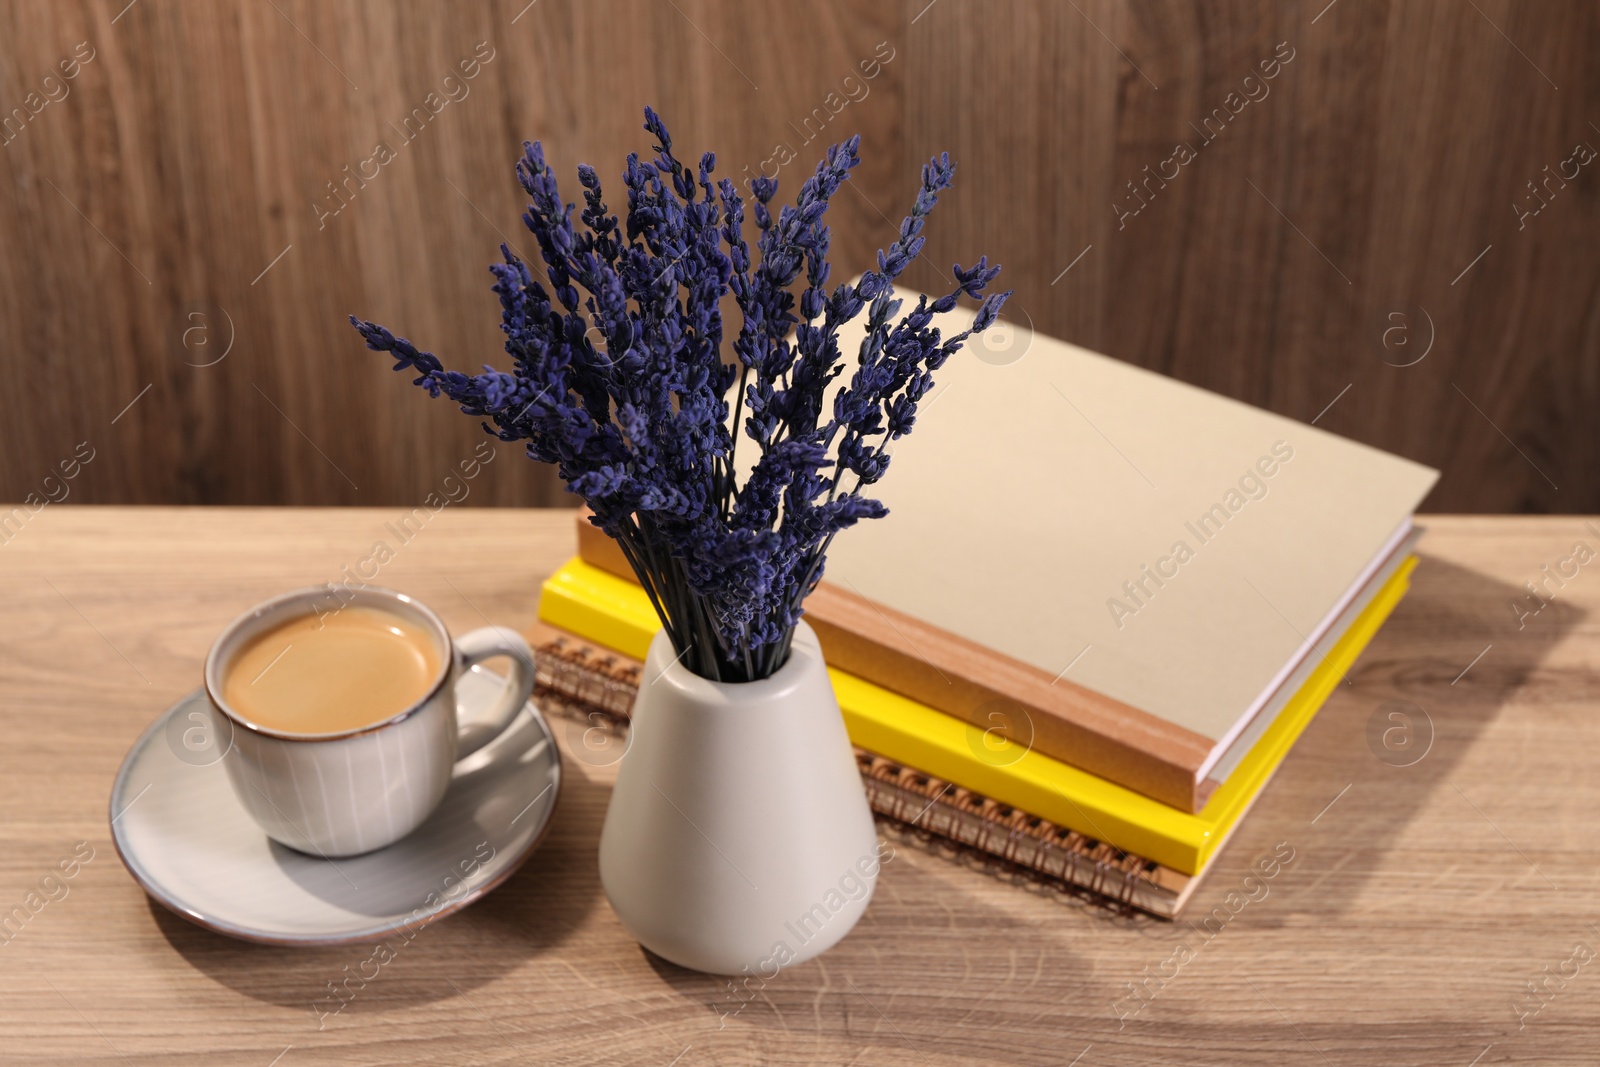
203, 142
1420, 902
196, 146
1377, 165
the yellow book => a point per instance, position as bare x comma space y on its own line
616, 613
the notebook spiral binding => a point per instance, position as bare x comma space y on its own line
598, 687
996, 830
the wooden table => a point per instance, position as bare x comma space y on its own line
1422, 906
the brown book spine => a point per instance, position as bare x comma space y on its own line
949, 673
597, 686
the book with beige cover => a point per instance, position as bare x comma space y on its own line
1105, 564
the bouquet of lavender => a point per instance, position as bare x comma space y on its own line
626, 389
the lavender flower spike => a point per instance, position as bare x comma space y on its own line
619, 378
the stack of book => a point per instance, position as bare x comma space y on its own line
1102, 608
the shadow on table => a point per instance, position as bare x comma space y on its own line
1441, 670
953, 931
939, 950
531, 913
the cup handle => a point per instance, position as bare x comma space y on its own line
480, 645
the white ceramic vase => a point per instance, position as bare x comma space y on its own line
738, 839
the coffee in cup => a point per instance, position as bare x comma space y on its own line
319, 674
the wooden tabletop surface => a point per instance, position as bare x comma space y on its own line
1440, 912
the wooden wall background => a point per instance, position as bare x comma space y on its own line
177, 178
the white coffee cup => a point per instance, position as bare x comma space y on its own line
353, 791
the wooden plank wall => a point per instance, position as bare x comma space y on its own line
1367, 203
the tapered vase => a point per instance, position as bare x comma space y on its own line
738, 839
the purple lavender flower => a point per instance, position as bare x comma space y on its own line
618, 378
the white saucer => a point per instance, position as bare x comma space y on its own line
185, 838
